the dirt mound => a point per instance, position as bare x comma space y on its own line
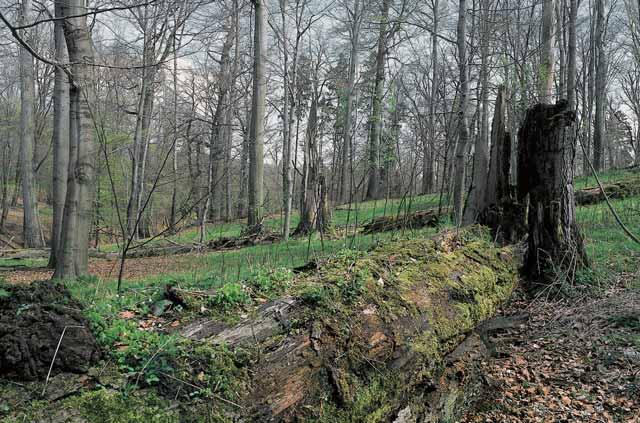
32, 322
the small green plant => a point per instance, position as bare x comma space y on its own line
230, 295
4, 293
271, 281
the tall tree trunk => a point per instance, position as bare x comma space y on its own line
213, 201
477, 193
314, 208
78, 211
60, 138
430, 141
256, 135
345, 169
375, 122
31, 224
174, 123
287, 175
572, 55
545, 76
463, 130
243, 193
601, 87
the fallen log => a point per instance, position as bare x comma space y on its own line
618, 190
417, 220
382, 337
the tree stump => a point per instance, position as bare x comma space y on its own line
546, 156
500, 210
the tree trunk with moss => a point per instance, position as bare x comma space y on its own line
373, 337
546, 156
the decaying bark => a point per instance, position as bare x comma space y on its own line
417, 220
501, 212
377, 338
545, 176
618, 190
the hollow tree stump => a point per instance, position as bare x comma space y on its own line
546, 154
500, 210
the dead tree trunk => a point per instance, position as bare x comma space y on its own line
545, 175
407, 353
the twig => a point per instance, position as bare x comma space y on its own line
606, 197
44, 389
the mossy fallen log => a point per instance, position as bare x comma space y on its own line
378, 337
618, 190
417, 220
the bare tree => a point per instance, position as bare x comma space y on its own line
547, 58
78, 210
60, 138
463, 130
31, 223
599, 134
375, 121
256, 132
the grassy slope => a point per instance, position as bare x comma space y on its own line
612, 253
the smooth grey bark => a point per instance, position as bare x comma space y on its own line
60, 138
477, 193
31, 224
216, 139
78, 211
429, 142
545, 76
463, 130
347, 136
174, 123
375, 121
256, 130
287, 175
572, 55
599, 134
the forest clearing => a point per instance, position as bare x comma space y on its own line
320, 211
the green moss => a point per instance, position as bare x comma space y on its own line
101, 406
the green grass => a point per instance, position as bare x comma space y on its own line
610, 249
352, 215
608, 177
26, 263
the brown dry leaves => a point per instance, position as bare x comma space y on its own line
564, 367
138, 268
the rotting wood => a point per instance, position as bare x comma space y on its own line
417, 220
615, 191
366, 339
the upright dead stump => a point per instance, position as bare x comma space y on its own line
500, 210
546, 153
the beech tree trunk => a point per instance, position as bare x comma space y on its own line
256, 136
478, 191
31, 223
78, 210
600, 53
60, 138
463, 130
345, 165
375, 122
429, 142
314, 210
545, 76
546, 155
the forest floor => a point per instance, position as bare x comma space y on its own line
576, 359
573, 361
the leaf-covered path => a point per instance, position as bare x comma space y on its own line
573, 361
